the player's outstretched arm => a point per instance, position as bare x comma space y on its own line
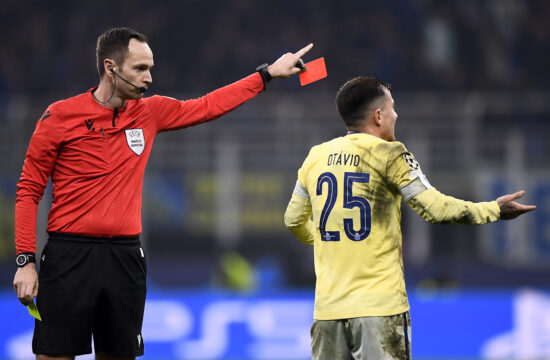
285, 66
438, 208
509, 209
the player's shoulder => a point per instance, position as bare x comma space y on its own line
325, 147
396, 146
335, 142
398, 154
391, 149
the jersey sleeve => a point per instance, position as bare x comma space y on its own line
298, 218
298, 212
436, 207
404, 173
172, 114
304, 171
406, 176
39, 163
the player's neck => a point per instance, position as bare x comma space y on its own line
355, 130
374, 130
107, 96
365, 130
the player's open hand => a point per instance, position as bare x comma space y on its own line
25, 283
509, 209
285, 66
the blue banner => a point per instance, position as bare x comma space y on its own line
210, 325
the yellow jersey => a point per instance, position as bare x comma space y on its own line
347, 203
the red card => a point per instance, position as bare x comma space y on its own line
316, 70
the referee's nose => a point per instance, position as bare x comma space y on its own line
147, 78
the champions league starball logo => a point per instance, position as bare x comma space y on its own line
411, 162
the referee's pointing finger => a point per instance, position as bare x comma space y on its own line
304, 50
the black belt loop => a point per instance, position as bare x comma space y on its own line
406, 331
117, 240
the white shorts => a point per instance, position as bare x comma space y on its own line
371, 337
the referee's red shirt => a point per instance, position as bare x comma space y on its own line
96, 157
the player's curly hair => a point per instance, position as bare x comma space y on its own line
356, 97
113, 44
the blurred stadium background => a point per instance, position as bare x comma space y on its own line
226, 279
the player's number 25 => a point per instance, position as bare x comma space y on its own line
350, 202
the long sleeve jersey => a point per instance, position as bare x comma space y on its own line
347, 204
96, 158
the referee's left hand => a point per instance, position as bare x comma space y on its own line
25, 283
285, 66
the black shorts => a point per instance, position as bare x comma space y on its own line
90, 285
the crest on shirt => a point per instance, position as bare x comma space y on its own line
135, 140
411, 162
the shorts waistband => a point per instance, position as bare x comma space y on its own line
117, 240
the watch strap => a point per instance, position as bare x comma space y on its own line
264, 73
24, 258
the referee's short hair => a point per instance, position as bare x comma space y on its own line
113, 44
357, 96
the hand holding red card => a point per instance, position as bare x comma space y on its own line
316, 70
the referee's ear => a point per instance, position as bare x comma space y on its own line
108, 66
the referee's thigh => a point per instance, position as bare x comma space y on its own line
117, 326
67, 294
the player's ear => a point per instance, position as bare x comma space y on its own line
378, 116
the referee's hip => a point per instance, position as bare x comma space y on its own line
78, 238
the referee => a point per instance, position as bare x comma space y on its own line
95, 147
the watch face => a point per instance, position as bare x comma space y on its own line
21, 259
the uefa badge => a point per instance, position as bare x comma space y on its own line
135, 140
411, 162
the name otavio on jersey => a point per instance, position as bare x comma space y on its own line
343, 159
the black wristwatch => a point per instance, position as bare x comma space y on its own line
266, 76
25, 258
